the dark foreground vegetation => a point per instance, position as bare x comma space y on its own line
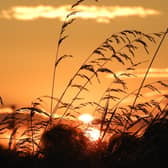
65, 146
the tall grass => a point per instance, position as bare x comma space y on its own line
119, 48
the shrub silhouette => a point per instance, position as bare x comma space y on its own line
11, 158
65, 145
122, 150
149, 150
155, 144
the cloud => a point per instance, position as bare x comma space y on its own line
99, 13
155, 94
153, 73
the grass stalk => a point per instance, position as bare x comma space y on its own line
94, 74
147, 72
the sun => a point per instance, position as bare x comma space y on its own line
86, 118
92, 133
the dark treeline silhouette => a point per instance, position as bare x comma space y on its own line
66, 146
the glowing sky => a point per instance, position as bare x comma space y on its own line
30, 29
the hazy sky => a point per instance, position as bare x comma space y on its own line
29, 31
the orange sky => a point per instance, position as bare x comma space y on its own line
29, 32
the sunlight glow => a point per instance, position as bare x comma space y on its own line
93, 134
86, 118
6, 110
101, 14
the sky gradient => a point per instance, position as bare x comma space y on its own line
29, 33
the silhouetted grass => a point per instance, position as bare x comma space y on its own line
137, 131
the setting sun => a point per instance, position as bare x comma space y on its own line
86, 118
